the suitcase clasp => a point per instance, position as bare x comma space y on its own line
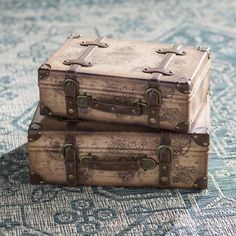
82, 101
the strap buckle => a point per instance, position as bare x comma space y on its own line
70, 156
164, 154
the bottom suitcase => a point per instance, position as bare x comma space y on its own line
89, 153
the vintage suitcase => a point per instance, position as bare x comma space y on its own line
88, 153
149, 84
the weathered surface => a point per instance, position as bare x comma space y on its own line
109, 145
115, 88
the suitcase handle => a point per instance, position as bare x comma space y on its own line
92, 162
84, 101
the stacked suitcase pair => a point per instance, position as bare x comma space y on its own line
122, 113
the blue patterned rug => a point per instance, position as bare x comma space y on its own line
30, 31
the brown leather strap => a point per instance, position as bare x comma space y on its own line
165, 153
71, 88
153, 94
70, 153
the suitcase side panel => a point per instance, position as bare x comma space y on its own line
199, 94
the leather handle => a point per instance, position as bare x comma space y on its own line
85, 101
116, 108
92, 162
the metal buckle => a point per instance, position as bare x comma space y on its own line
82, 101
71, 81
154, 90
68, 145
170, 148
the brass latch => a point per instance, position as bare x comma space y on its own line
82, 101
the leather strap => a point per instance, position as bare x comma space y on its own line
70, 153
165, 153
71, 89
153, 94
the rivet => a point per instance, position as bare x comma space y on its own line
205, 177
32, 173
195, 136
49, 113
164, 167
133, 111
177, 127
164, 179
186, 122
41, 182
178, 85
195, 185
153, 121
40, 133
112, 108
30, 139
71, 111
71, 177
205, 143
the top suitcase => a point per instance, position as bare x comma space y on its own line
102, 79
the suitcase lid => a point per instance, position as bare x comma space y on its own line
127, 59
42, 123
